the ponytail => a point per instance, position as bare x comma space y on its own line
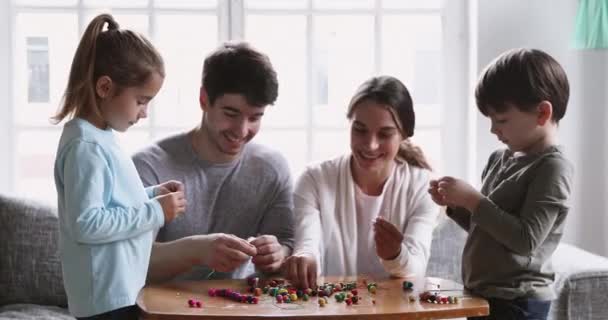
80, 92
413, 155
126, 57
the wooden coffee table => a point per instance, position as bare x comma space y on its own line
169, 301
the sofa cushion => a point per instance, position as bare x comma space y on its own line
581, 283
446, 250
34, 312
30, 269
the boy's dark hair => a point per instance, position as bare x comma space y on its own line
524, 78
240, 69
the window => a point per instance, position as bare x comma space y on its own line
322, 50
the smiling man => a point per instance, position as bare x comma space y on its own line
239, 194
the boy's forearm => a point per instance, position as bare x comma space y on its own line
461, 216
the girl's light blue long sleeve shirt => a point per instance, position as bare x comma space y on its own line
106, 219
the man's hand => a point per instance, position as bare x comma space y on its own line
270, 253
222, 252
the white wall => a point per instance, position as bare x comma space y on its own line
5, 91
549, 25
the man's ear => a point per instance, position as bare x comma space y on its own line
203, 99
545, 112
104, 87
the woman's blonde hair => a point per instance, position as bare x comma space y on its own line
124, 56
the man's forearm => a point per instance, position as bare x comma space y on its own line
171, 259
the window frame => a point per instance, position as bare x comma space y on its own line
458, 54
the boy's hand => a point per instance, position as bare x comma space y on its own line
458, 193
434, 192
173, 204
388, 239
168, 187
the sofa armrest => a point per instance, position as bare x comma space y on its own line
581, 283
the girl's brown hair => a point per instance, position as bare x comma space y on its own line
391, 92
124, 56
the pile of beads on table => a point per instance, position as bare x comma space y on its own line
234, 295
372, 287
434, 297
194, 303
346, 292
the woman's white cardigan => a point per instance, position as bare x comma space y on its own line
326, 227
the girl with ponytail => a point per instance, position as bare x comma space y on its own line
107, 219
367, 212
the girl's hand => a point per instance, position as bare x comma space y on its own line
173, 204
168, 187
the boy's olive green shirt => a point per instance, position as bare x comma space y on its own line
517, 226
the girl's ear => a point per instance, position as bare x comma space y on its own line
545, 112
104, 87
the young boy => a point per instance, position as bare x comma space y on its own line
516, 221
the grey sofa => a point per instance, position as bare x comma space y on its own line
581, 277
31, 284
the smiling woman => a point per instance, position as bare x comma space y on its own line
380, 185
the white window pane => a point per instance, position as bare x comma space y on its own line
411, 4
286, 48
181, 4
177, 102
429, 140
343, 58
134, 22
116, 3
133, 140
34, 161
329, 144
427, 115
411, 51
46, 3
38, 69
275, 4
290, 143
40, 38
161, 134
343, 4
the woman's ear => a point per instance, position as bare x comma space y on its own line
545, 112
104, 87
